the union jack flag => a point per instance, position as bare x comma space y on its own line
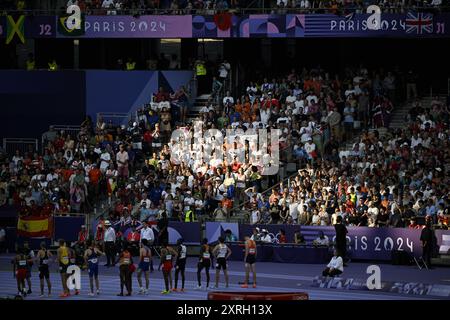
419, 23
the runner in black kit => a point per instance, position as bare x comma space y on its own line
222, 252
180, 264
204, 262
43, 258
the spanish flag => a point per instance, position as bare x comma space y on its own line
35, 227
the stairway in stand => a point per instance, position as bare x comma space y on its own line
200, 102
398, 118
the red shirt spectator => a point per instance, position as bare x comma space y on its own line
59, 144
66, 173
161, 95
63, 206
82, 235
47, 209
134, 236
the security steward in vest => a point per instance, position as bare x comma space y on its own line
131, 65
53, 66
189, 215
31, 63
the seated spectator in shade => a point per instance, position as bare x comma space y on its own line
256, 235
266, 238
299, 238
282, 236
335, 267
322, 240
229, 236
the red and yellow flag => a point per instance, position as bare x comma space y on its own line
35, 227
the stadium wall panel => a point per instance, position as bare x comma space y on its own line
31, 101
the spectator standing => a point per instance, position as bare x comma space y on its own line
411, 85
148, 234
341, 237
122, 162
110, 240
427, 238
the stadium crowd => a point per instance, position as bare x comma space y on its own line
129, 171
141, 7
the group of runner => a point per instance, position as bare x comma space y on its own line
169, 258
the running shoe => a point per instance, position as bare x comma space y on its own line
244, 286
141, 291
91, 294
41, 295
120, 295
29, 291
213, 287
198, 288
165, 292
98, 292
174, 289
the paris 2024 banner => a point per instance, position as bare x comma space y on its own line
408, 25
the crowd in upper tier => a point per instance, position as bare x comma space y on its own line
141, 7
130, 171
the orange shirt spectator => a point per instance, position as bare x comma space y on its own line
238, 107
274, 197
227, 203
95, 175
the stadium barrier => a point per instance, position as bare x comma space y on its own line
73, 130
116, 118
10, 145
363, 243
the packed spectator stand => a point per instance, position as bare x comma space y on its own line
126, 173
142, 7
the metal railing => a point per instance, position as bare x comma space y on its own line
115, 118
242, 206
284, 162
73, 130
24, 145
